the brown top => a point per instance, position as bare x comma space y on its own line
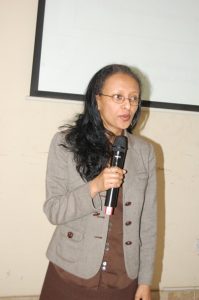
112, 273
55, 287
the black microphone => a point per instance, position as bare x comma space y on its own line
119, 149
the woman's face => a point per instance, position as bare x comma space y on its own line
117, 117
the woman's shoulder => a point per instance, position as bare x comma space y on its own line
58, 144
59, 138
139, 141
142, 146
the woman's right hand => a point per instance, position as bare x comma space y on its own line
111, 177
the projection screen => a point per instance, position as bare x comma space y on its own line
160, 39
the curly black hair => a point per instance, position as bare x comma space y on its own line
88, 138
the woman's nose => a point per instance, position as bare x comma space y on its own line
126, 103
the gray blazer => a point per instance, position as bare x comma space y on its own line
78, 242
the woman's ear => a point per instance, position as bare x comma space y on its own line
98, 101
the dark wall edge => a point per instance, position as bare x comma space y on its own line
145, 103
37, 48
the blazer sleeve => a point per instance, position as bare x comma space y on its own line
64, 204
148, 226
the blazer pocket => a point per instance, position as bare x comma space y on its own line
69, 246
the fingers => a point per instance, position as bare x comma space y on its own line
113, 177
112, 170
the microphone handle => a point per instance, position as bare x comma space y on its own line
112, 194
111, 197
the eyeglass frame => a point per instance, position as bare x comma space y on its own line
132, 102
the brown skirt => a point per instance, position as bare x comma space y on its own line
55, 288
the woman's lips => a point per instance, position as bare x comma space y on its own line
125, 117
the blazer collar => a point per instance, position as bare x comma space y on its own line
131, 140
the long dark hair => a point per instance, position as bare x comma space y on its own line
87, 138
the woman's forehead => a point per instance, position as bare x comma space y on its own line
121, 80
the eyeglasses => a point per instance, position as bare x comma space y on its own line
117, 98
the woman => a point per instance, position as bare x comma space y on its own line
93, 255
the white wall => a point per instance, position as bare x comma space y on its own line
26, 127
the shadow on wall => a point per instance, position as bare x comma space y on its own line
160, 205
146, 91
160, 214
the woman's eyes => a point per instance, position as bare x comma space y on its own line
118, 97
121, 98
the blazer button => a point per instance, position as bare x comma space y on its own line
128, 203
95, 214
70, 234
128, 223
128, 243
